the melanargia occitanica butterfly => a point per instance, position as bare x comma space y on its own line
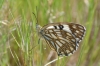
63, 37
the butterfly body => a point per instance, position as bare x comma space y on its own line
63, 37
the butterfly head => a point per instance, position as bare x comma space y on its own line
38, 27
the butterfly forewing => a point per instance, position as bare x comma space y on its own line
63, 37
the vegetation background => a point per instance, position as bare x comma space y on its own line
18, 31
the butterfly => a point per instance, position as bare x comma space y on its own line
62, 37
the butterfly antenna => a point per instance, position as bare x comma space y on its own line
36, 16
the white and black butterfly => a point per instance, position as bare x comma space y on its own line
63, 37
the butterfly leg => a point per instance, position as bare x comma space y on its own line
39, 40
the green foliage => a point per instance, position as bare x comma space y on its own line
19, 40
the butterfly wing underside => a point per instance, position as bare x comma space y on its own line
63, 38
78, 31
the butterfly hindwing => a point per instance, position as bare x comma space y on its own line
77, 30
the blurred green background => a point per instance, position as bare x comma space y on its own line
19, 40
